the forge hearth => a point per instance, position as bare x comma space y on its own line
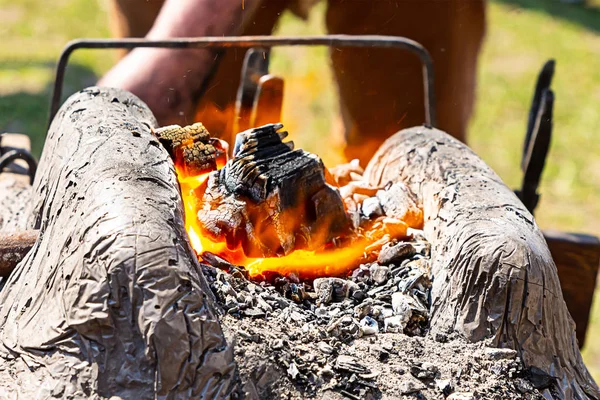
112, 301
278, 211
270, 199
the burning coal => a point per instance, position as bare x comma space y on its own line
275, 210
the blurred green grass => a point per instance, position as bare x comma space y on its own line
522, 35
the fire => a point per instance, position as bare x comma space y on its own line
305, 264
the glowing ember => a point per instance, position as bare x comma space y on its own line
307, 264
328, 261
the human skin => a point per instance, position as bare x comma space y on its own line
170, 81
380, 90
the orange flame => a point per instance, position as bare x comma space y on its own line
331, 261
304, 263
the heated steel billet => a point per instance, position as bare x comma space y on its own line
13, 247
110, 301
494, 276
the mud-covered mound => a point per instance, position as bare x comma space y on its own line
363, 336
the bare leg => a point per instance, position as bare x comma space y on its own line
170, 81
381, 90
132, 18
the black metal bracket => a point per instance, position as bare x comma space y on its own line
7, 157
255, 66
392, 42
537, 137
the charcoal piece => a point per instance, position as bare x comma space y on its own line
173, 136
411, 386
398, 201
444, 386
424, 370
199, 157
191, 147
539, 379
333, 289
351, 364
379, 273
368, 326
461, 396
394, 324
344, 328
254, 313
363, 309
394, 253
500, 354
325, 348
271, 199
371, 208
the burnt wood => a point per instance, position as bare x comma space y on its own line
271, 199
190, 144
13, 248
494, 276
110, 301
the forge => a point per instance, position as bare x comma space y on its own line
161, 271
276, 211
270, 200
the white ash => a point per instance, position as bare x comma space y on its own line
359, 337
394, 296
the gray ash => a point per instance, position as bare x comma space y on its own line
376, 297
391, 295
363, 336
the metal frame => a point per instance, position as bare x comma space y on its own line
378, 41
8, 155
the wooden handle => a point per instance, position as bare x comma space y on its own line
13, 248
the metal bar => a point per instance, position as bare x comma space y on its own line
20, 154
392, 42
256, 65
535, 158
268, 101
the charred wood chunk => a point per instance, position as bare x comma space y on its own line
173, 136
271, 199
398, 201
199, 157
191, 147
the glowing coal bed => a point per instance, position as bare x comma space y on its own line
275, 211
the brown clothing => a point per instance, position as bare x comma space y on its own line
381, 90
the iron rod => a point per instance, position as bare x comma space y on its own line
379, 41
